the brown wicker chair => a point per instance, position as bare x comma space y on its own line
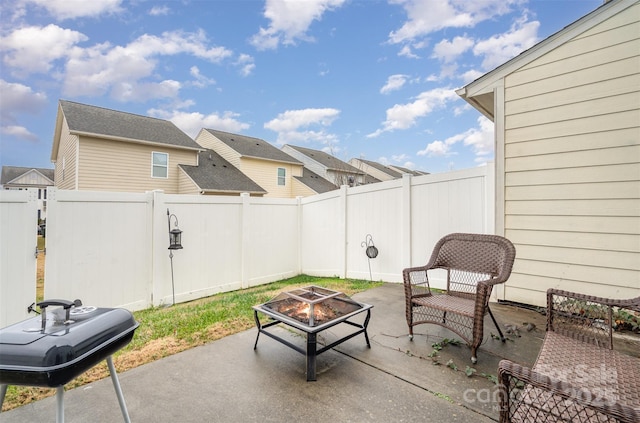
474, 263
578, 376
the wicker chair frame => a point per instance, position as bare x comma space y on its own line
474, 263
578, 376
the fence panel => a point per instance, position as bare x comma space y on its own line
18, 244
322, 234
271, 243
211, 260
98, 248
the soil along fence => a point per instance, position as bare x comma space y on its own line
111, 249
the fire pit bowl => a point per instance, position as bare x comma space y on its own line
312, 309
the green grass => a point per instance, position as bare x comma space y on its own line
164, 331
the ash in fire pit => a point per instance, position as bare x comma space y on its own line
313, 305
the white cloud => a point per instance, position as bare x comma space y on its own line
291, 125
192, 123
18, 132
480, 139
246, 64
122, 70
18, 99
404, 116
501, 48
200, 80
447, 51
70, 9
159, 11
33, 49
425, 17
290, 21
394, 83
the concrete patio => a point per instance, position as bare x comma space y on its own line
394, 380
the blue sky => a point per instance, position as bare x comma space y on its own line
356, 78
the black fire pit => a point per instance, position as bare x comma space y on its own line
312, 310
54, 348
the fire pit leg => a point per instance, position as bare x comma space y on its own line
255, 316
311, 357
60, 404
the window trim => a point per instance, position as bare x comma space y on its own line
282, 178
154, 165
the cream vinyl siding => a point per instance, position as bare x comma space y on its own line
265, 174
67, 154
186, 184
301, 190
106, 165
572, 165
207, 140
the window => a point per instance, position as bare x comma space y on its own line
159, 165
282, 173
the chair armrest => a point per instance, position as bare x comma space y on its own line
532, 396
416, 282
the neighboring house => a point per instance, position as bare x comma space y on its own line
269, 167
311, 183
404, 170
326, 166
377, 170
17, 178
215, 176
106, 150
567, 134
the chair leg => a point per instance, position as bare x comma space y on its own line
502, 338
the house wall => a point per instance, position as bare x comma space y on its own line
298, 189
309, 163
186, 184
572, 165
265, 174
370, 170
207, 140
66, 164
106, 165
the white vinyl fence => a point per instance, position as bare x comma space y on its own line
18, 249
110, 249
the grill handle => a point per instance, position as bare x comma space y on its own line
62, 303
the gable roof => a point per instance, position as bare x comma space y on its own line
479, 93
382, 168
252, 147
112, 124
214, 173
315, 182
11, 173
406, 170
327, 160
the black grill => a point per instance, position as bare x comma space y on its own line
53, 349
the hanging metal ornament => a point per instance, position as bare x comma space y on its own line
371, 251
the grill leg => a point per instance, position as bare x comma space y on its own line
3, 392
116, 386
60, 404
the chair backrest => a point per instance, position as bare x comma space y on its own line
470, 258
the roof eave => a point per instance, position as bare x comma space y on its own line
134, 141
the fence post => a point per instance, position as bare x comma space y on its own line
159, 226
246, 241
406, 221
342, 224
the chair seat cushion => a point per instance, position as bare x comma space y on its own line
448, 303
